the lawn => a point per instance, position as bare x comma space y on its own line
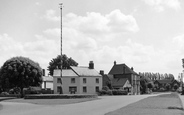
166, 104
51, 101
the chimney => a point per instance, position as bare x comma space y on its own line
91, 65
114, 62
43, 72
101, 72
132, 68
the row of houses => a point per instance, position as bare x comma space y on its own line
167, 84
86, 80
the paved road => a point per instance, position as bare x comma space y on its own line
96, 107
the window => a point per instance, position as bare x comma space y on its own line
97, 80
72, 90
59, 89
59, 80
72, 80
84, 89
84, 80
97, 88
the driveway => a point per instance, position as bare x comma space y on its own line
96, 107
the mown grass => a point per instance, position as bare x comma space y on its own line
51, 101
166, 104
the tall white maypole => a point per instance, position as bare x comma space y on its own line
61, 91
61, 6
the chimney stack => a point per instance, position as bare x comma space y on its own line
91, 65
101, 72
132, 68
43, 72
114, 62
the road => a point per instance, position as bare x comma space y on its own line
96, 107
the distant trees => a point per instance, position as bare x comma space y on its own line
147, 79
156, 76
20, 72
56, 63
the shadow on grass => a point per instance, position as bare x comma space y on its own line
179, 108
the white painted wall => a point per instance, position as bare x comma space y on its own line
90, 84
66, 83
49, 84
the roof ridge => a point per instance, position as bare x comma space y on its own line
79, 66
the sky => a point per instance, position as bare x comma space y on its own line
147, 35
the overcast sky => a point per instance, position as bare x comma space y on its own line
145, 34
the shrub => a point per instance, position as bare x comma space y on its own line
109, 92
15, 90
105, 88
102, 92
119, 92
112, 92
122, 92
5, 93
176, 87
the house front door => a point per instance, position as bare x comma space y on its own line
72, 90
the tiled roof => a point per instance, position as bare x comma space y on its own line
106, 77
85, 71
119, 82
121, 69
65, 72
110, 77
164, 81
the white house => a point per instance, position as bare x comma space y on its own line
47, 82
77, 80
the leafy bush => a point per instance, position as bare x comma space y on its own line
105, 88
4, 93
176, 87
109, 92
112, 92
119, 92
15, 90
32, 90
102, 92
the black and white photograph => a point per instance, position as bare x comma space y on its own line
91, 57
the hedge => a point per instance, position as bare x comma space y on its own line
60, 96
112, 92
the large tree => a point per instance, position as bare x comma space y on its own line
56, 63
20, 72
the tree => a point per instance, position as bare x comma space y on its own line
175, 87
56, 63
168, 86
143, 86
20, 72
150, 85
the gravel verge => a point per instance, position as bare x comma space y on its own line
166, 104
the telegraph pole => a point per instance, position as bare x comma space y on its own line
61, 6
